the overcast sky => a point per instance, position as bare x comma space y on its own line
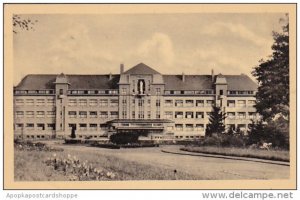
169, 43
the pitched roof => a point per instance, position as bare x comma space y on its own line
40, 82
141, 69
240, 82
192, 82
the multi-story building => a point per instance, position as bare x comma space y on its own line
139, 99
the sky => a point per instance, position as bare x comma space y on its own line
192, 43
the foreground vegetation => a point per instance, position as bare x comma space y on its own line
37, 165
278, 155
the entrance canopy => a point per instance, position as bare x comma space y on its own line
150, 124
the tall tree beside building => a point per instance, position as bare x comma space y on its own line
216, 122
273, 78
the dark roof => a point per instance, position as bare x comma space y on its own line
40, 82
141, 69
192, 82
240, 82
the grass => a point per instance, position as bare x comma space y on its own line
29, 166
277, 155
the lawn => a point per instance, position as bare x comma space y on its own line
278, 155
31, 166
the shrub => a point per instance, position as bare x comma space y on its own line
124, 138
225, 140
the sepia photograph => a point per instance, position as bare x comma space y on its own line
174, 96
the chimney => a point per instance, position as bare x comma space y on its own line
212, 75
110, 76
183, 77
121, 68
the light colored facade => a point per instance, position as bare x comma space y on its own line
139, 99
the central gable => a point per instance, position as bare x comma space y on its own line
141, 69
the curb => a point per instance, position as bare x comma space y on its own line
228, 157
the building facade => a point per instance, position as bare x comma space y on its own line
139, 99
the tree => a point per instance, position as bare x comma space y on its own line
273, 78
23, 24
216, 122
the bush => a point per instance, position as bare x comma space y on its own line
72, 141
103, 145
224, 140
124, 138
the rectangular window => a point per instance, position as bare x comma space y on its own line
103, 102
82, 102
179, 103
93, 127
72, 114
19, 114
168, 114
40, 102
168, 103
189, 115
157, 114
50, 126
124, 91
252, 115
29, 126
178, 127
82, 114
114, 114
19, 102
149, 114
133, 114
50, 113
82, 127
209, 103
189, 103
231, 103
103, 114
231, 115
19, 126
114, 102
251, 102
199, 115
242, 115
72, 102
178, 115
40, 126
158, 91
242, 127
157, 103
199, 127
103, 126
93, 114
241, 103
200, 103
50, 102
29, 102
230, 126
30, 114
93, 102
71, 126
91, 92
40, 114
189, 127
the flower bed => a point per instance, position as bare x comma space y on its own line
27, 145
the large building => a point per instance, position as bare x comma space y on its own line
139, 99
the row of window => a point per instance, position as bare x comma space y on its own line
93, 114
30, 114
200, 127
200, 115
37, 102
93, 102
32, 126
207, 103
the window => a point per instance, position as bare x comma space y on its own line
82, 127
168, 103
19, 102
103, 114
252, 115
124, 91
209, 103
189, 127
251, 102
200, 103
114, 102
19, 114
242, 127
149, 114
50, 113
158, 91
51, 126
40, 114
19, 126
231, 115
72, 114
93, 102
93, 114
133, 114
189, 115
82, 114
199, 127
199, 115
93, 127
242, 115
241, 103
103, 102
231, 103
231, 126
149, 102
72, 102
61, 91
82, 102
179, 103
157, 103
221, 92
29, 113
71, 126
189, 103
30, 126
103, 126
178, 127
114, 114
169, 115
157, 114
91, 92
50, 102
29, 102
40, 126
179, 115
40, 102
